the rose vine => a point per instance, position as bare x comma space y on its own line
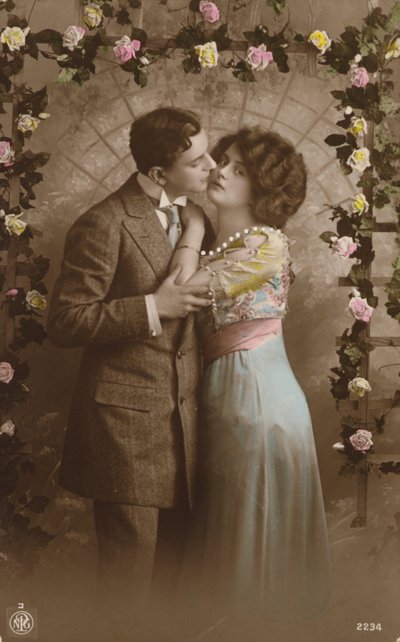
365, 55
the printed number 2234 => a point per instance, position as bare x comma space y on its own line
369, 626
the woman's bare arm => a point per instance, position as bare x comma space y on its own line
187, 251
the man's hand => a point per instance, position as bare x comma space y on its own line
173, 301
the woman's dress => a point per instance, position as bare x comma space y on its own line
259, 536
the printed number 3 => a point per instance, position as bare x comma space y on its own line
369, 626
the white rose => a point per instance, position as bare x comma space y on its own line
359, 159
358, 126
72, 36
35, 300
359, 386
393, 50
360, 204
14, 37
8, 428
13, 224
27, 123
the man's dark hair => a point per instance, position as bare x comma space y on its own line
158, 137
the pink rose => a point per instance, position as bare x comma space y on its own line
258, 58
6, 372
361, 440
125, 49
345, 246
361, 309
12, 292
209, 11
6, 153
359, 77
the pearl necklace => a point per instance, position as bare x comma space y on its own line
238, 235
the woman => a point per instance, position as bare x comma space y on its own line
259, 536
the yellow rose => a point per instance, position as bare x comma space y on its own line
360, 204
92, 15
13, 224
393, 49
207, 54
14, 37
358, 126
27, 123
36, 300
320, 40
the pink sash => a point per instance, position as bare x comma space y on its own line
241, 335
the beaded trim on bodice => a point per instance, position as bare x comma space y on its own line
250, 277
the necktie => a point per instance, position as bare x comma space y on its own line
174, 224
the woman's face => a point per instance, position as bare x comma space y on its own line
229, 183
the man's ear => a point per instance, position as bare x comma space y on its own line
156, 174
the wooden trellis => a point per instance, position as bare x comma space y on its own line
14, 270
364, 407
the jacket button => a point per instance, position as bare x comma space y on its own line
179, 354
181, 399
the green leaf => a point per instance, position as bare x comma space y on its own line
40, 536
281, 59
38, 503
28, 466
326, 236
140, 77
335, 140
343, 152
371, 63
108, 10
186, 38
122, 17
394, 16
339, 95
33, 50
356, 97
139, 34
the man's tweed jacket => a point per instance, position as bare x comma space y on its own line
131, 435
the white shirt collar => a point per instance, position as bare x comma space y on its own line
156, 191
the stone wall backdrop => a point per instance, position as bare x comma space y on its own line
87, 135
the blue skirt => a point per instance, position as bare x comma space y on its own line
259, 536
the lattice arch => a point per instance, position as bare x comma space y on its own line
91, 157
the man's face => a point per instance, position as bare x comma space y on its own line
191, 169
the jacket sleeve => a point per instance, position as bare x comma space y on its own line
81, 311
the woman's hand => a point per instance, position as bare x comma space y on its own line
193, 217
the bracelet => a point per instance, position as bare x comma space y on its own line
188, 247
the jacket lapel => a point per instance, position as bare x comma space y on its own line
145, 228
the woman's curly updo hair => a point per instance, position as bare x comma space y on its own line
277, 172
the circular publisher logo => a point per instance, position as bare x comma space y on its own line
21, 623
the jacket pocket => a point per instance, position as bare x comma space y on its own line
124, 396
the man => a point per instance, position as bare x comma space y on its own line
131, 438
